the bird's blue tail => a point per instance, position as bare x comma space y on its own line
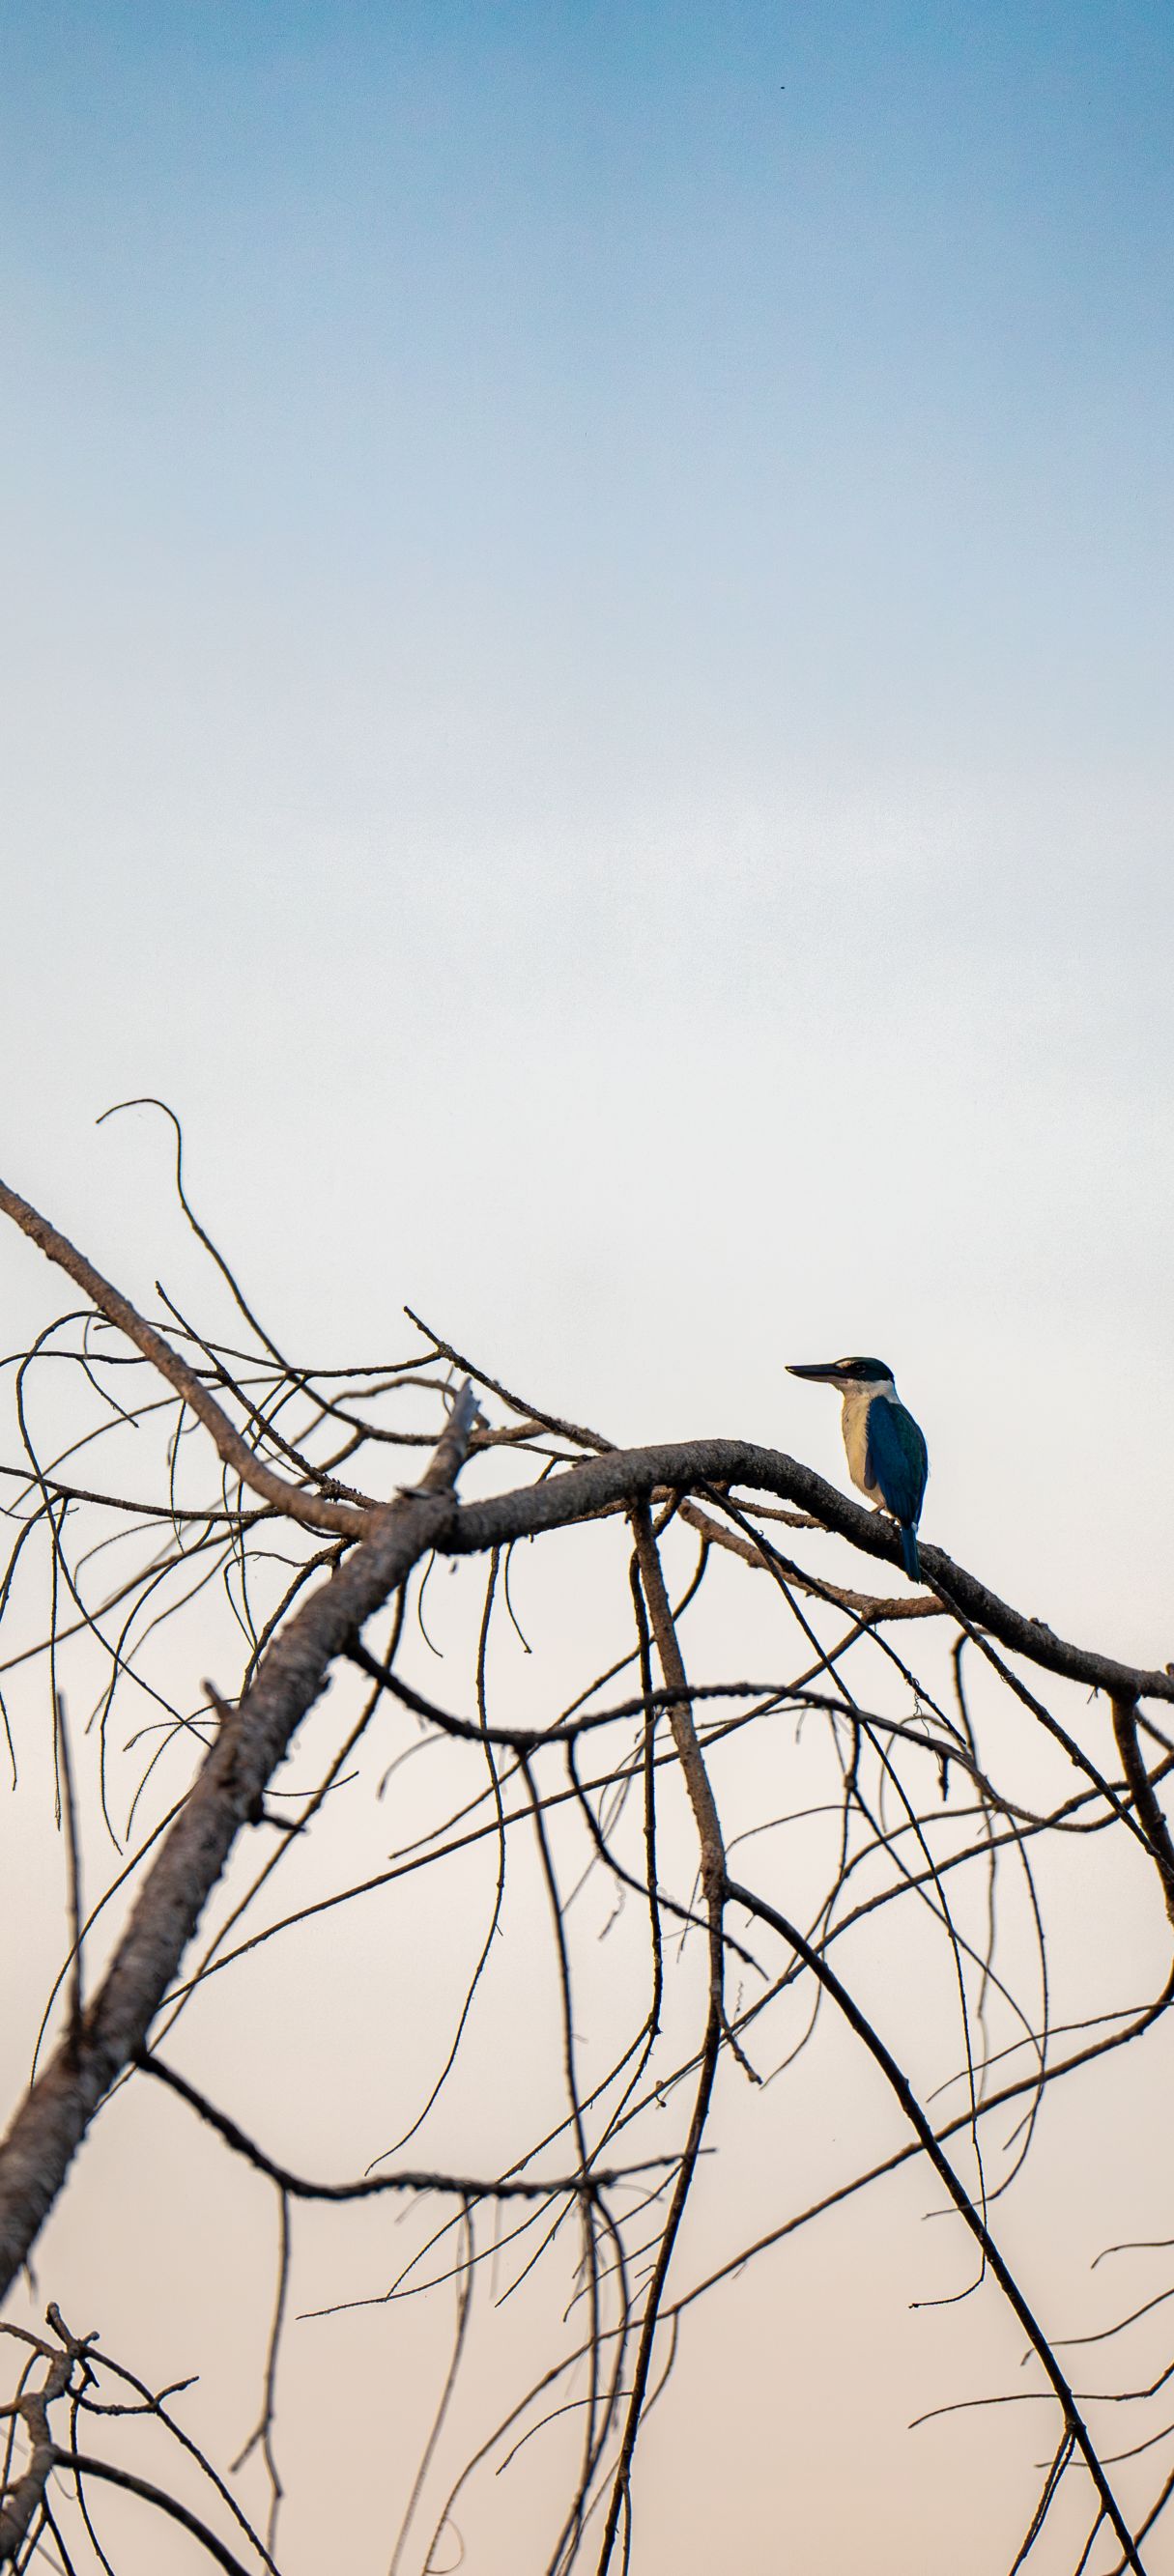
909, 1552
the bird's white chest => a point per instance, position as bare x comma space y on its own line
855, 1428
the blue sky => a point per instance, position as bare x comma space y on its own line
584, 617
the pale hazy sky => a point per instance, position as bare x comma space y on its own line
587, 619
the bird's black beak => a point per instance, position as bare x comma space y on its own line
811, 1368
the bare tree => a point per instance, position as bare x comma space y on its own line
170, 1490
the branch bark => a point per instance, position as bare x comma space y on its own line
47, 2130
627, 1476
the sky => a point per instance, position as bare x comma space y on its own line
586, 666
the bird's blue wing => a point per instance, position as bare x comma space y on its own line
897, 1459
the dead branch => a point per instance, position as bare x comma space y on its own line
47, 2130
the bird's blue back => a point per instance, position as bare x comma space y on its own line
897, 1458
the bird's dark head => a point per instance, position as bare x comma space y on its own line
843, 1373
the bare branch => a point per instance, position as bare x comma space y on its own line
627, 1476
315, 1512
49, 2126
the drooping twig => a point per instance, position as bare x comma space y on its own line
894, 2075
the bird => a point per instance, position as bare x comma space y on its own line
887, 1457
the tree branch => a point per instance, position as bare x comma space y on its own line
53, 2119
1073, 2420
316, 1512
1145, 1796
582, 2185
83, 2465
626, 1476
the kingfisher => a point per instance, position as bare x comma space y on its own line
887, 1456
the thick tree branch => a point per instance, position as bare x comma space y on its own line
625, 1476
53, 2119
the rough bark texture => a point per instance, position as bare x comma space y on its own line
51, 2122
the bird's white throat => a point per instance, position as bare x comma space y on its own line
854, 1421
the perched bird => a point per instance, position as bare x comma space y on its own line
887, 1455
